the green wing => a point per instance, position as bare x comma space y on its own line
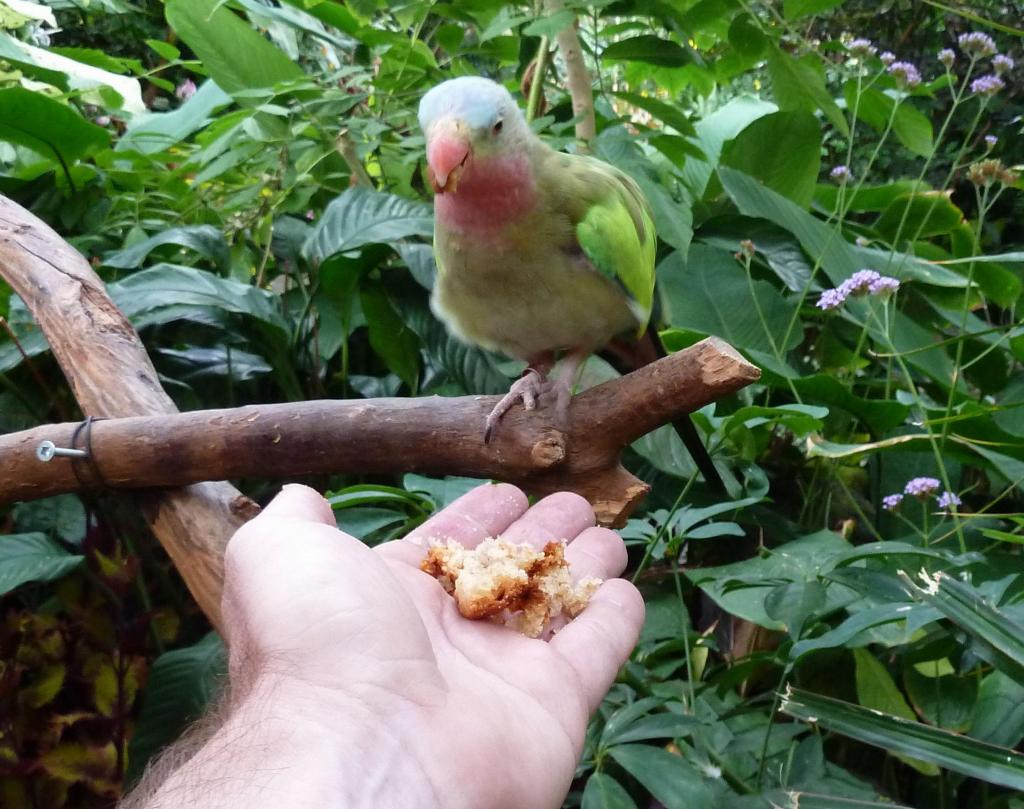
615, 229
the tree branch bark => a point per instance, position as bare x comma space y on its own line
432, 435
110, 375
577, 78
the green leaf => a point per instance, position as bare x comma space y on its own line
875, 108
62, 516
794, 9
181, 685
392, 340
157, 131
877, 690
443, 491
997, 765
604, 792
999, 712
165, 50
32, 557
946, 701
839, 258
206, 240
474, 370
799, 84
549, 26
664, 112
166, 292
671, 780
783, 150
919, 216
48, 127
361, 216
794, 603
1001, 636
648, 48
712, 133
236, 56
712, 294
803, 559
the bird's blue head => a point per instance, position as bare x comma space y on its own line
468, 118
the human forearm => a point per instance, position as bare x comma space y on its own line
270, 748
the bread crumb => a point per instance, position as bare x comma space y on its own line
516, 585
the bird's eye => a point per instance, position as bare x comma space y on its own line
496, 129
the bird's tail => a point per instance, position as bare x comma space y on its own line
637, 353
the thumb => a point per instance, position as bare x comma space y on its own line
298, 502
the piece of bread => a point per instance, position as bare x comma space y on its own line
517, 585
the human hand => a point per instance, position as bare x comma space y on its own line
372, 657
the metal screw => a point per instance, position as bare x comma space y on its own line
47, 451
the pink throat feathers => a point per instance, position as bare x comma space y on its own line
491, 192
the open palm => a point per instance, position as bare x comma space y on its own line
489, 717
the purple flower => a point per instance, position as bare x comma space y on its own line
887, 57
991, 141
840, 174
862, 48
891, 502
185, 90
976, 42
1001, 63
883, 285
948, 500
987, 85
831, 299
947, 57
859, 283
922, 488
906, 74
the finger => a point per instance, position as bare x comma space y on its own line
596, 552
486, 511
558, 517
598, 642
298, 502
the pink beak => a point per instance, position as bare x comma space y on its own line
447, 152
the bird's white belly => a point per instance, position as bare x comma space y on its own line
523, 305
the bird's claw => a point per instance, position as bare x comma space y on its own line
527, 389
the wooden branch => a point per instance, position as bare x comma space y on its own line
577, 77
110, 375
432, 435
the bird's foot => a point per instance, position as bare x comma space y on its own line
527, 389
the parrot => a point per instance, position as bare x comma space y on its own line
539, 253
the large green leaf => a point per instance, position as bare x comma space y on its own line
604, 792
839, 258
390, 337
647, 48
362, 216
911, 127
997, 765
799, 84
877, 690
236, 56
918, 216
32, 557
794, 9
181, 685
45, 125
999, 712
711, 293
713, 131
166, 292
206, 240
1001, 636
669, 778
157, 131
741, 588
472, 369
783, 150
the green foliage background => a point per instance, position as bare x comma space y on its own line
248, 179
